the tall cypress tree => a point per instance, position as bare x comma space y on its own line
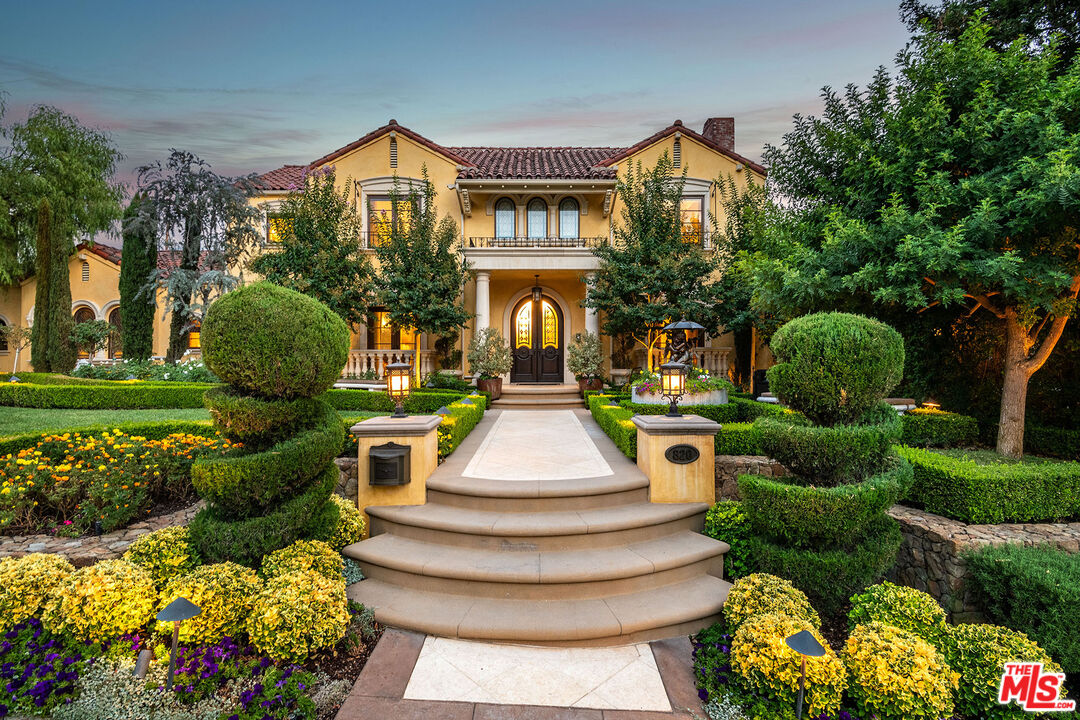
61, 348
136, 293
40, 334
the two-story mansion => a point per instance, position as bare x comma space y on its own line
529, 217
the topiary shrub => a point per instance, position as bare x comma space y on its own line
102, 602
906, 608
726, 521
303, 556
896, 675
224, 593
350, 525
273, 342
164, 553
979, 654
759, 594
278, 350
298, 613
765, 666
835, 367
27, 584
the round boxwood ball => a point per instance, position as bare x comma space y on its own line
274, 342
835, 367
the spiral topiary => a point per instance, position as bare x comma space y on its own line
278, 350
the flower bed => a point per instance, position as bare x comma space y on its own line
72, 481
190, 371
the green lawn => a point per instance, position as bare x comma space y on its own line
15, 421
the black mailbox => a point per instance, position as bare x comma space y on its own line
389, 464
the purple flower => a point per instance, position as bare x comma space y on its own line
703, 695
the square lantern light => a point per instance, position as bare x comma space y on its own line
673, 385
398, 385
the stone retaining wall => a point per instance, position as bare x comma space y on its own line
730, 467
346, 486
930, 558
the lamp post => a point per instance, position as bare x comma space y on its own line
398, 386
176, 612
804, 643
673, 385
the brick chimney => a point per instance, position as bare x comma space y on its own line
721, 130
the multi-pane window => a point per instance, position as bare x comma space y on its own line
384, 335
382, 214
692, 214
569, 216
277, 227
3, 337
536, 216
504, 219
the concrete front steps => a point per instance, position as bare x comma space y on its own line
571, 562
539, 397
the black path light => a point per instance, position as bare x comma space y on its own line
443, 411
804, 643
673, 385
398, 386
176, 612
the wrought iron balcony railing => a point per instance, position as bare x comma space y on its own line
533, 242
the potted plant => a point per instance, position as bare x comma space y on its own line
585, 358
622, 351
489, 358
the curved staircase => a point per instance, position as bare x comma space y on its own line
561, 562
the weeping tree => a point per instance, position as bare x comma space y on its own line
421, 271
136, 294
207, 228
651, 274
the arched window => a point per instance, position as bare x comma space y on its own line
536, 214
194, 336
84, 314
114, 337
3, 337
568, 218
504, 219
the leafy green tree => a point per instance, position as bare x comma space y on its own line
955, 186
91, 336
421, 272
320, 252
203, 219
650, 275
137, 295
16, 338
52, 156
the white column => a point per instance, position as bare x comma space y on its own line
483, 301
592, 320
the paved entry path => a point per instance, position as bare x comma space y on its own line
537, 445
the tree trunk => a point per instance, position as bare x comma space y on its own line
1010, 439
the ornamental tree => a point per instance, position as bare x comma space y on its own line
204, 220
651, 275
91, 336
955, 185
319, 252
137, 297
421, 271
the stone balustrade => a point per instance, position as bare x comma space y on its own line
362, 362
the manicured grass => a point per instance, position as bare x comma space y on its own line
14, 420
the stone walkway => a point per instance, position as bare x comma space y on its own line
537, 445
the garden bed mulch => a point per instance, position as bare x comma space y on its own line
344, 662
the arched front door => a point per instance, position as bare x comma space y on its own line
538, 341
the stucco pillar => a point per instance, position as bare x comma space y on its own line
592, 319
483, 300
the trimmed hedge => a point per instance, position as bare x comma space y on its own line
1035, 590
615, 421
962, 489
455, 428
420, 402
43, 378
830, 455
738, 439
104, 395
250, 420
728, 412
830, 577
803, 516
148, 430
926, 427
1058, 442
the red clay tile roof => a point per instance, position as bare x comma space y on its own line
108, 252
288, 177
677, 126
536, 162
393, 126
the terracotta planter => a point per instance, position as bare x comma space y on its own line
490, 385
590, 384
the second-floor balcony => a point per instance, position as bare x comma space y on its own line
534, 242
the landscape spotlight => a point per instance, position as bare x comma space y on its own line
176, 612
804, 643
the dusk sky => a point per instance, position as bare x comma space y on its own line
250, 86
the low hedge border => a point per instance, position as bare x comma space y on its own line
926, 427
986, 494
802, 516
738, 439
456, 427
104, 395
1056, 442
148, 430
615, 421
420, 402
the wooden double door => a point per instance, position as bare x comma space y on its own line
537, 336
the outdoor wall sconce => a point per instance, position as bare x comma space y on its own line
176, 612
537, 291
673, 385
398, 386
804, 643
